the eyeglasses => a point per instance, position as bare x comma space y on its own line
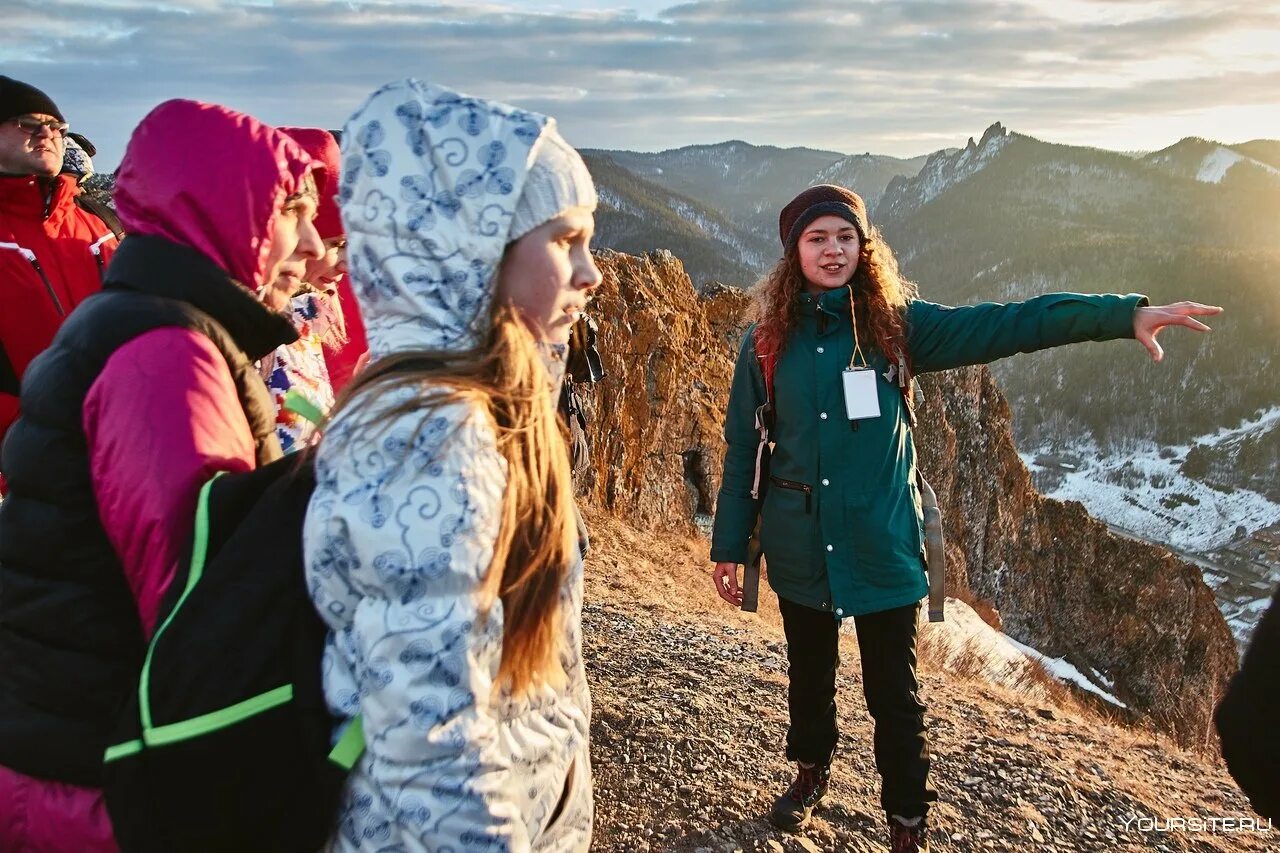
32, 126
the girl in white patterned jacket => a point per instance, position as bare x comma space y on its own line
442, 540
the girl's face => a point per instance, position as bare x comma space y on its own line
325, 271
548, 274
829, 248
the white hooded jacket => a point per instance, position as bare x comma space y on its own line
403, 521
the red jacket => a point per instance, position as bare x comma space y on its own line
52, 254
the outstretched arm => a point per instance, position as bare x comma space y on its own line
1148, 322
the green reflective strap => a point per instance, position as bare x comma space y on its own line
122, 750
295, 401
220, 719
199, 549
350, 746
203, 724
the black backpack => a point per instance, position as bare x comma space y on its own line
226, 745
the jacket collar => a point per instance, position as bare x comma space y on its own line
834, 303
35, 199
158, 267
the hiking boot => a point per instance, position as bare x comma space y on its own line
904, 838
792, 809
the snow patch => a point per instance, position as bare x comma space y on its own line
1002, 659
713, 229
1214, 167
1065, 671
608, 198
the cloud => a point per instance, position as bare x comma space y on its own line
846, 75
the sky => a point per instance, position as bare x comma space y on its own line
898, 77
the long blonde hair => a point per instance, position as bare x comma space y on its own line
538, 534
880, 297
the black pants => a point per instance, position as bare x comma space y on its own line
887, 642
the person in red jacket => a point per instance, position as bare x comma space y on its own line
330, 273
52, 252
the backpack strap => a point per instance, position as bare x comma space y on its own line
347, 751
764, 417
109, 217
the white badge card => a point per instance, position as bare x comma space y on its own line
861, 399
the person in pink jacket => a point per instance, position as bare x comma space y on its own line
147, 390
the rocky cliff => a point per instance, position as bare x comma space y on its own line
1132, 615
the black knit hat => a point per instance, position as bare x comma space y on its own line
822, 200
19, 99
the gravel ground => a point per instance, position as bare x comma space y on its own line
690, 716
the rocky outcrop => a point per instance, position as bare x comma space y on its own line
1132, 615
657, 420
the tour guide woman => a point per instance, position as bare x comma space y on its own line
840, 511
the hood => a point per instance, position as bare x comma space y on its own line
175, 182
430, 179
323, 148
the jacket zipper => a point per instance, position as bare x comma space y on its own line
798, 487
53, 294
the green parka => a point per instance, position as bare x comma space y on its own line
845, 532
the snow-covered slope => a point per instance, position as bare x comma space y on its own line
1207, 161
869, 174
1145, 492
965, 642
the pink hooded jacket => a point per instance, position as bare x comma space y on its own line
163, 415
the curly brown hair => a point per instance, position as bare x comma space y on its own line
880, 297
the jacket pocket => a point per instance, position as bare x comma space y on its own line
571, 816
887, 538
803, 488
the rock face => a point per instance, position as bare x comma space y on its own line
1131, 613
657, 420
1138, 618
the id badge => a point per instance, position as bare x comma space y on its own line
861, 399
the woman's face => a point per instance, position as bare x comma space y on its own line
548, 274
324, 272
829, 249
294, 241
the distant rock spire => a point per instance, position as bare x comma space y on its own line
996, 131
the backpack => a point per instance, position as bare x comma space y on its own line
933, 534
226, 744
582, 366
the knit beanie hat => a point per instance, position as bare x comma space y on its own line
322, 147
19, 99
557, 181
815, 202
